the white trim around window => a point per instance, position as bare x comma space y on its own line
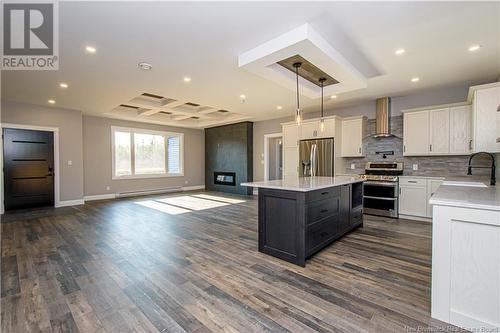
165, 136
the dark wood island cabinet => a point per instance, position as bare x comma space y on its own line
299, 217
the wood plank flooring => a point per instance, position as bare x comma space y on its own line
188, 262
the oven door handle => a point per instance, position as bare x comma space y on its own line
386, 184
379, 198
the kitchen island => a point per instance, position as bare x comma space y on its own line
300, 216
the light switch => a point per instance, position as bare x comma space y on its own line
415, 167
70, 162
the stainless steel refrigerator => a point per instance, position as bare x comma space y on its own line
316, 157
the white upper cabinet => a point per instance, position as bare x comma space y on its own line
353, 131
416, 133
309, 130
460, 129
439, 131
290, 135
329, 130
444, 130
486, 100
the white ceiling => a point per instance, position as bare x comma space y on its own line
203, 40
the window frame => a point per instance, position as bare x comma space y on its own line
134, 131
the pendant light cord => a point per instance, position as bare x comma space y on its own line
322, 81
297, 65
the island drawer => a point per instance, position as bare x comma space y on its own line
318, 210
322, 194
320, 233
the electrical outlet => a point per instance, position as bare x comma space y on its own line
415, 167
70, 162
353, 166
186, 181
261, 161
108, 188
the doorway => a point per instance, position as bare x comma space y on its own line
28, 158
273, 156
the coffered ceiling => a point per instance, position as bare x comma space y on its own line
204, 40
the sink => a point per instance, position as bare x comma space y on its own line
464, 183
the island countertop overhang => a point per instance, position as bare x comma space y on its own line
304, 184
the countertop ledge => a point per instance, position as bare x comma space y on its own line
304, 184
485, 198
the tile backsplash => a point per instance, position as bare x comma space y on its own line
427, 165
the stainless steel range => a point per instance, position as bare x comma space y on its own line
380, 190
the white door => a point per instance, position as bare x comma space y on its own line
290, 136
439, 131
412, 200
309, 130
416, 133
352, 137
290, 161
460, 130
485, 116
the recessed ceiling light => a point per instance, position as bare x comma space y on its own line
279, 107
90, 49
145, 66
474, 48
63, 85
51, 101
400, 51
415, 79
187, 79
333, 96
242, 96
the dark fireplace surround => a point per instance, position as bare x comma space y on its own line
229, 157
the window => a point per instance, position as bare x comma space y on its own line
146, 154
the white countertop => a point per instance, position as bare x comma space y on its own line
304, 184
487, 198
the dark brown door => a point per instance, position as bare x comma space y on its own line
28, 168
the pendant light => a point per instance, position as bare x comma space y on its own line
322, 121
298, 116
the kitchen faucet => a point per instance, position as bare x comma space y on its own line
492, 167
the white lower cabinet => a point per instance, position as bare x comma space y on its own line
414, 195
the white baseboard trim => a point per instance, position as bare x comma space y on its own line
99, 197
416, 218
67, 203
108, 196
193, 188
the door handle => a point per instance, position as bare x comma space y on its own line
323, 211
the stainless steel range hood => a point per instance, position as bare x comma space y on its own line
383, 118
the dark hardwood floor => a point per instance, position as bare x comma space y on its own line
189, 262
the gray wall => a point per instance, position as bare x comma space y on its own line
69, 123
443, 95
97, 158
229, 149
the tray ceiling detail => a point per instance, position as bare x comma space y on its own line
269, 60
168, 111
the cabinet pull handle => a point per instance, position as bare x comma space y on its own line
359, 150
470, 144
404, 148
412, 181
400, 191
323, 211
324, 193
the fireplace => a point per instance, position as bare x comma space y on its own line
225, 178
